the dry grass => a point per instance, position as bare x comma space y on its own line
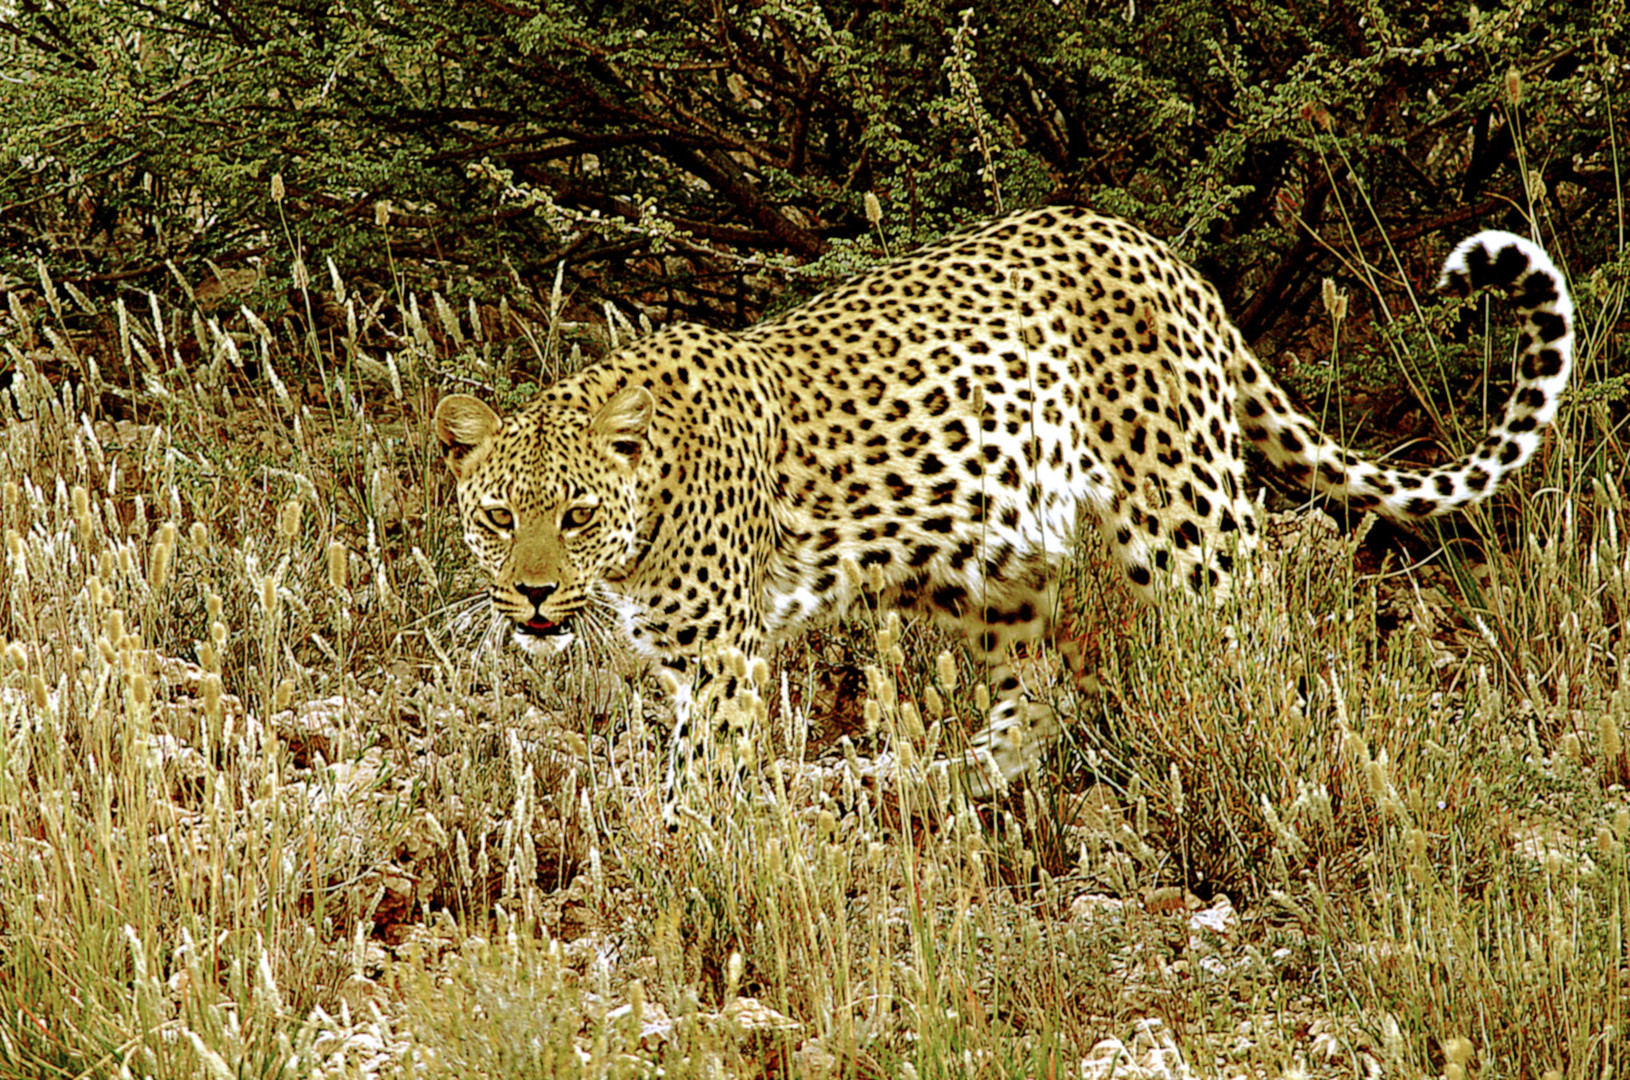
277, 803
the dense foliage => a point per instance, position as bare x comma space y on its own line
692, 156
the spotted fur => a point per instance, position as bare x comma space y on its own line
939, 426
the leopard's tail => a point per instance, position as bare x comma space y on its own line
1488, 260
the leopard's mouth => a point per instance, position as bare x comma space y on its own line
538, 626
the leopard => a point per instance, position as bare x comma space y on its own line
930, 437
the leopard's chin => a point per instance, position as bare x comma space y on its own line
544, 638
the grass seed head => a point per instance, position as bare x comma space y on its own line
335, 280
288, 521
1608, 732
826, 826
158, 570
933, 703
874, 210
339, 566
422, 561
851, 570
49, 290
19, 314
448, 319
1335, 301
883, 687
636, 1003
734, 974
277, 187
1417, 854
910, 722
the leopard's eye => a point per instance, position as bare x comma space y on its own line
577, 517
500, 518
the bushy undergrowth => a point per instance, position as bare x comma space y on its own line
704, 160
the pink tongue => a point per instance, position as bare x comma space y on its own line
540, 624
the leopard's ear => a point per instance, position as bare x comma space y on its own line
465, 426
623, 422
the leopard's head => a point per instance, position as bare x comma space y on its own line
549, 501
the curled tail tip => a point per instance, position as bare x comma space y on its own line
1494, 259
1521, 270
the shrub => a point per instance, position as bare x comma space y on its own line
687, 157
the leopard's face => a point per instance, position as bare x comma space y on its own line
549, 503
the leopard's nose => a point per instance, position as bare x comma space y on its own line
536, 594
